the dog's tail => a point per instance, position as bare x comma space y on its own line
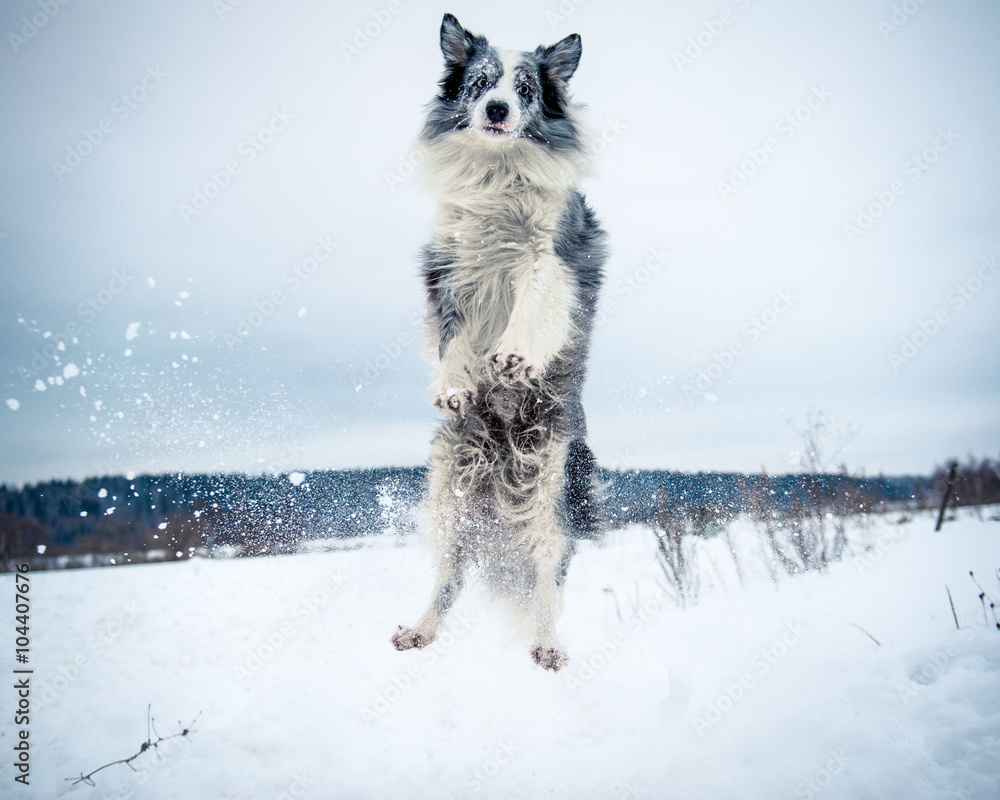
583, 494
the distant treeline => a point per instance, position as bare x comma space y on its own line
173, 516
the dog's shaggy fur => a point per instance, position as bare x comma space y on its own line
512, 276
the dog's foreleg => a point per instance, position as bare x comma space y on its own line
449, 581
455, 386
539, 325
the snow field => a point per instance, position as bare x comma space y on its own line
760, 689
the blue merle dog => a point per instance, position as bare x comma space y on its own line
512, 277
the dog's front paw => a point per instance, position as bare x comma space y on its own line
514, 367
406, 639
549, 657
454, 401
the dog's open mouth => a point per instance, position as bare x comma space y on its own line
493, 130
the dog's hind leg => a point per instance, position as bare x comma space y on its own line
450, 576
550, 568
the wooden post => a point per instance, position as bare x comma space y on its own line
947, 494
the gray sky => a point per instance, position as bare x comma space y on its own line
802, 203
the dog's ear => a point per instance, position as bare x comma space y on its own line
457, 43
562, 58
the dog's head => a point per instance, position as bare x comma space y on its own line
500, 95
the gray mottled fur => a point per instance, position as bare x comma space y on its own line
512, 277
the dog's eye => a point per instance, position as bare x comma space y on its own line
481, 82
524, 90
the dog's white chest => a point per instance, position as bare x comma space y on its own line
509, 284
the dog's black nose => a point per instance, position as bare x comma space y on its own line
496, 111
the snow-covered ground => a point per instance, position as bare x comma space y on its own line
762, 689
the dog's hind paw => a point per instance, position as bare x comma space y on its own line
406, 639
454, 401
513, 367
549, 657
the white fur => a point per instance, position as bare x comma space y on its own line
501, 199
500, 231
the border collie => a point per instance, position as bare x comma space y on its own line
512, 277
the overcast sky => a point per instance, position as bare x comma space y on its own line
209, 228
